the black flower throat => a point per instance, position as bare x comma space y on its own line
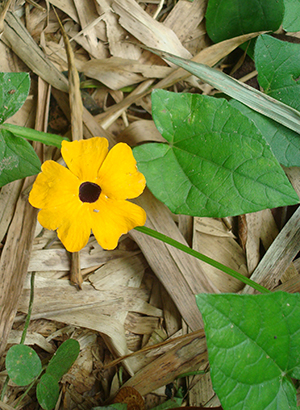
89, 192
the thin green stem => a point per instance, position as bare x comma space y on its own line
25, 392
203, 258
195, 373
5, 384
34, 135
27, 321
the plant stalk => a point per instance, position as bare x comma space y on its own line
27, 321
34, 135
201, 257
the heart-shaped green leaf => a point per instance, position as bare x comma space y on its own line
284, 142
22, 364
216, 163
253, 347
17, 158
47, 392
278, 66
291, 20
13, 93
63, 358
230, 18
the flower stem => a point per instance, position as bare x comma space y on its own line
203, 258
27, 321
34, 135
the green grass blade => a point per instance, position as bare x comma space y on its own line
247, 95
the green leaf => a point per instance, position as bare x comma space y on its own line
63, 358
13, 93
284, 142
230, 18
216, 163
23, 364
262, 103
278, 66
114, 406
17, 158
169, 404
253, 347
47, 392
291, 20
119, 406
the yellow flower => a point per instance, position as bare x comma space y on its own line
91, 194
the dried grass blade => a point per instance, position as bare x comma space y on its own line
262, 103
74, 88
147, 30
8, 197
4, 5
189, 355
91, 127
14, 263
181, 275
185, 17
26, 48
15, 255
279, 255
76, 109
208, 56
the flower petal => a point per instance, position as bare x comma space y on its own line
54, 186
84, 158
111, 218
72, 221
119, 177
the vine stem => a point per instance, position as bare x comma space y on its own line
201, 257
27, 320
34, 135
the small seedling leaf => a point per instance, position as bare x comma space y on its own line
23, 364
214, 163
17, 158
253, 347
63, 359
47, 392
13, 93
227, 19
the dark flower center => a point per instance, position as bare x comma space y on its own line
89, 192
